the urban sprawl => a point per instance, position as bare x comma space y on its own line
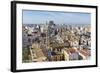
55, 42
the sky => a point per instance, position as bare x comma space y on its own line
41, 17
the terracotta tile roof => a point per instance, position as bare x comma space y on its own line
70, 50
84, 52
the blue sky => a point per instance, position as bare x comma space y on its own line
37, 17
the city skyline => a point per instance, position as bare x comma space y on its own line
41, 17
53, 43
